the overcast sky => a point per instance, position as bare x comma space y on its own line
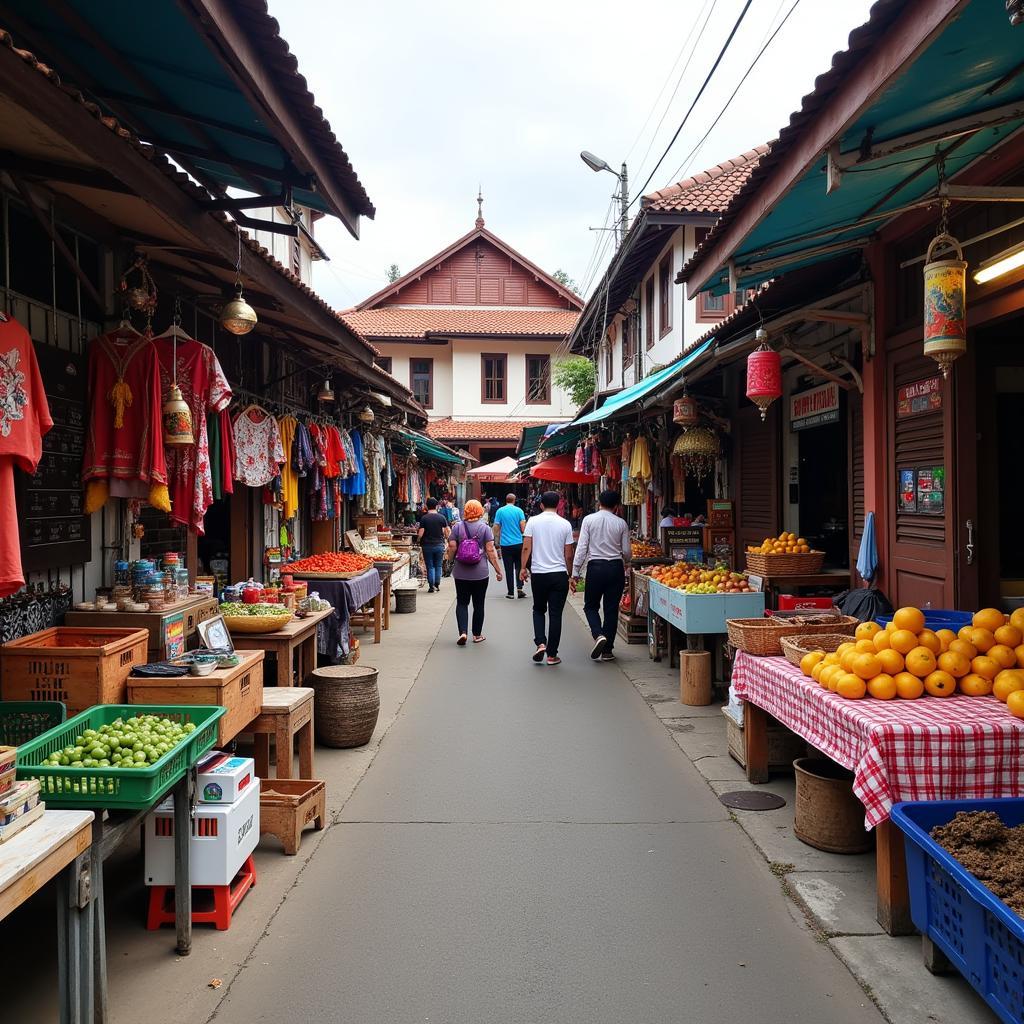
431, 99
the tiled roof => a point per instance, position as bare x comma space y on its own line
423, 321
449, 429
710, 191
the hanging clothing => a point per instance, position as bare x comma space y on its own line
205, 389
216, 461
24, 420
355, 483
678, 481
124, 444
303, 456
227, 451
258, 449
289, 478
640, 460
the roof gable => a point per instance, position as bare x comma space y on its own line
478, 269
710, 191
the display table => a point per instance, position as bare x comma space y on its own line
57, 844
951, 748
287, 712
296, 641
391, 574
348, 597
838, 579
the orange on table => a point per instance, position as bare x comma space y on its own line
920, 662
833, 680
955, 663
940, 684
903, 640
827, 674
909, 618
809, 660
891, 661
965, 647
847, 659
1003, 654
816, 671
881, 640
865, 665
982, 638
1019, 652
844, 647
1015, 703
946, 637
1009, 635
1008, 681
851, 687
908, 687
964, 633
974, 685
928, 638
1017, 619
882, 686
866, 630
988, 618
865, 646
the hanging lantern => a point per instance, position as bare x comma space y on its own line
945, 290
238, 316
764, 374
177, 417
697, 449
326, 393
685, 411
365, 415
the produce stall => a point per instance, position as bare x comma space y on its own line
293, 646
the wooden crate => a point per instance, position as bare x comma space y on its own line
287, 806
784, 746
632, 628
79, 666
239, 690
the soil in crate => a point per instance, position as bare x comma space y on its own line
991, 851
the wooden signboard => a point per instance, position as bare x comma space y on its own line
683, 543
353, 540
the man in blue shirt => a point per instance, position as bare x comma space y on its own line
509, 523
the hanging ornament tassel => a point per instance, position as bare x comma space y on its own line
120, 397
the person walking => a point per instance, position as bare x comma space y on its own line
433, 536
603, 552
509, 523
547, 550
471, 545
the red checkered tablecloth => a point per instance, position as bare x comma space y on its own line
951, 748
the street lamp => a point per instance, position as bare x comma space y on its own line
595, 163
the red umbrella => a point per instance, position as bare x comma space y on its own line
560, 470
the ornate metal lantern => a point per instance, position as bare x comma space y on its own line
238, 316
697, 448
685, 411
177, 419
764, 374
945, 308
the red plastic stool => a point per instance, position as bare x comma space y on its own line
225, 900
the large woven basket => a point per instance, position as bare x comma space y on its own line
346, 704
256, 623
785, 565
764, 636
795, 647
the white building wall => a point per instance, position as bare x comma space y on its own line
442, 356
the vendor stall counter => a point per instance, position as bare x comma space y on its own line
293, 646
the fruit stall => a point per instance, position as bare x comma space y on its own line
922, 706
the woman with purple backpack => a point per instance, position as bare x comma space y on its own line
471, 545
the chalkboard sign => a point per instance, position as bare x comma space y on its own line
684, 543
54, 529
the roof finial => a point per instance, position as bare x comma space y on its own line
479, 207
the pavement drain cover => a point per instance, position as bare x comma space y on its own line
752, 800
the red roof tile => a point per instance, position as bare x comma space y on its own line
423, 321
710, 191
448, 429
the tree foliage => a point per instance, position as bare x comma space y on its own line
566, 281
393, 273
575, 376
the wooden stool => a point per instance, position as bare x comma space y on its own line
287, 712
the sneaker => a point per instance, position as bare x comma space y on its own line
520, 593
607, 656
599, 642
430, 590
509, 597
538, 655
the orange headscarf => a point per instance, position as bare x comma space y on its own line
473, 510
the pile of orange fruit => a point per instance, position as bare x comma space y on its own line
908, 660
784, 544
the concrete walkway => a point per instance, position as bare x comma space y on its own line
530, 845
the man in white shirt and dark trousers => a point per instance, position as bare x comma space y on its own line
603, 552
547, 550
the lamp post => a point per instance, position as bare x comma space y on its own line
595, 163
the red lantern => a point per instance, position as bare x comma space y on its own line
764, 374
685, 411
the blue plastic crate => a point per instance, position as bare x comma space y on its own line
979, 933
938, 618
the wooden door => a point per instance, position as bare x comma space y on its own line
920, 570
757, 469
855, 468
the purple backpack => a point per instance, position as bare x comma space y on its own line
469, 551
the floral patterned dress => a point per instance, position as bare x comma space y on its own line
259, 451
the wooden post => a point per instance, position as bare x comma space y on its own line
182, 874
755, 739
891, 867
695, 678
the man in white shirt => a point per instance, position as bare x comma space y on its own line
603, 552
547, 550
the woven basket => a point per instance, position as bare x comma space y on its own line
764, 636
795, 647
785, 565
256, 623
346, 704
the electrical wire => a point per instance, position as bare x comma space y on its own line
681, 170
696, 99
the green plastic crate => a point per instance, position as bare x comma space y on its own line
24, 720
131, 789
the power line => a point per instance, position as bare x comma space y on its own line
696, 99
685, 165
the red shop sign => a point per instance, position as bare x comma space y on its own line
920, 397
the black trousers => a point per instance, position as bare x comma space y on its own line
512, 560
606, 579
466, 591
550, 591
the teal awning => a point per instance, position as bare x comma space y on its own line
530, 438
632, 397
967, 77
430, 449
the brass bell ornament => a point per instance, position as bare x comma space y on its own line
238, 316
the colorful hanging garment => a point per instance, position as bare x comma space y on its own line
355, 483
258, 448
289, 477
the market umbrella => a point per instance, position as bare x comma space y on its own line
560, 469
867, 557
494, 472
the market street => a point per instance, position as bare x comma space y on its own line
530, 845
